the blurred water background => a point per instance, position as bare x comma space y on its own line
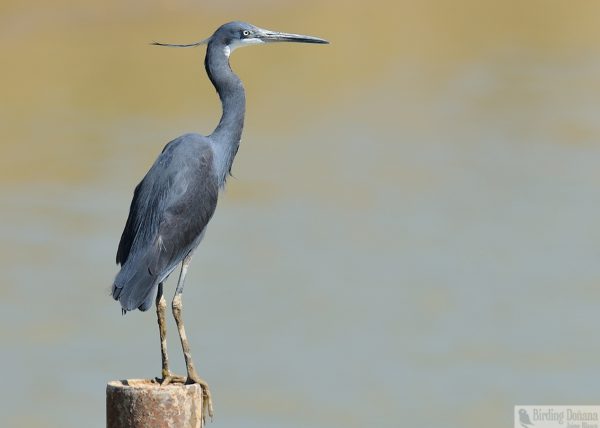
411, 238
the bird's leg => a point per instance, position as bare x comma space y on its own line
192, 375
161, 310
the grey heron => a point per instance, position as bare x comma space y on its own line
176, 199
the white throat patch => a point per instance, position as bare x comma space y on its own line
240, 43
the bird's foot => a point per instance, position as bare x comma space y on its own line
169, 378
207, 407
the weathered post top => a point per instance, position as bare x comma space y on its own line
142, 403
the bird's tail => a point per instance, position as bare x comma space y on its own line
135, 286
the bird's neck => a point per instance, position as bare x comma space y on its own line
226, 136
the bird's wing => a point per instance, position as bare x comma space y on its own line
168, 213
187, 210
130, 227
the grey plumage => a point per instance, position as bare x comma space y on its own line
160, 231
174, 202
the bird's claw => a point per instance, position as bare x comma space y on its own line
170, 378
207, 407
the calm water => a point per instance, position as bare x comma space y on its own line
408, 244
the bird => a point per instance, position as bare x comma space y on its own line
174, 202
524, 418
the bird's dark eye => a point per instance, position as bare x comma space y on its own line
246, 33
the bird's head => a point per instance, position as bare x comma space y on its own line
237, 34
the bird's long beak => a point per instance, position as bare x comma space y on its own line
268, 36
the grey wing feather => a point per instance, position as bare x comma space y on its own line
169, 212
130, 227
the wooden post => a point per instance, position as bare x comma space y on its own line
140, 403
